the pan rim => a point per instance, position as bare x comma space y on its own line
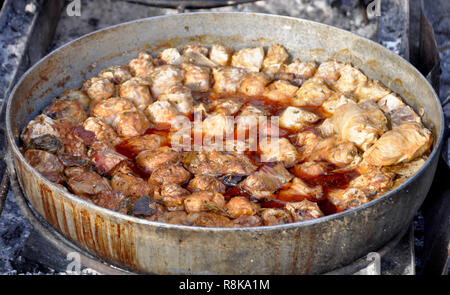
72, 197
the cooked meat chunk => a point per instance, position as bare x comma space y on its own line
344, 199
296, 118
170, 56
304, 210
217, 163
248, 58
99, 88
76, 94
227, 106
45, 163
209, 219
373, 90
131, 123
216, 125
149, 160
350, 79
74, 171
165, 76
113, 200
206, 183
88, 183
108, 109
172, 195
330, 71
220, 54
239, 206
249, 117
361, 126
314, 92
275, 58
204, 201
196, 78
311, 169
307, 140
298, 189
247, 221
303, 69
335, 101
137, 91
401, 144
132, 186
173, 217
116, 74
141, 66
280, 90
227, 79
103, 131
169, 173
105, 160
180, 97
397, 111
266, 181
334, 150
278, 149
271, 216
137, 144
40, 126
162, 113
195, 48
66, 109
253, 84
373, 180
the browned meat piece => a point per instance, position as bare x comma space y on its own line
314, 92
401, 144
248, 58
108, 109
253, 84
304, 210
162, 113
165, 76
103, 131
116, 74
311, 169
209, 219
280, 90
397, 111
266, 181
132, 186
45, 163
76, 94
196, 48
249, 117
214, 125
88, 183
240, 206
220, 54
335, 101
373, 90
99, 88
170, 56
169, 173
131, 123
174, 217
113, 200
47, 142
276, 56
350, 79
247, 221
334, 150
272, 216
227, 79
204, 201
137, 91
134, 145
196, 78
66, 109
105, 160
303, 69
296, 118
226, 106
407, 169
299, 189
217, 163
330, 71
348, 198
39, 126
74, 171
172, 195
149, 160
278, 150
206, 183
142, 65
307, 140
372, 180
180, 97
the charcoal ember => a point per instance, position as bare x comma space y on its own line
142, 206
231, 180
46, 142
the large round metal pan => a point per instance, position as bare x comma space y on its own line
308, 247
